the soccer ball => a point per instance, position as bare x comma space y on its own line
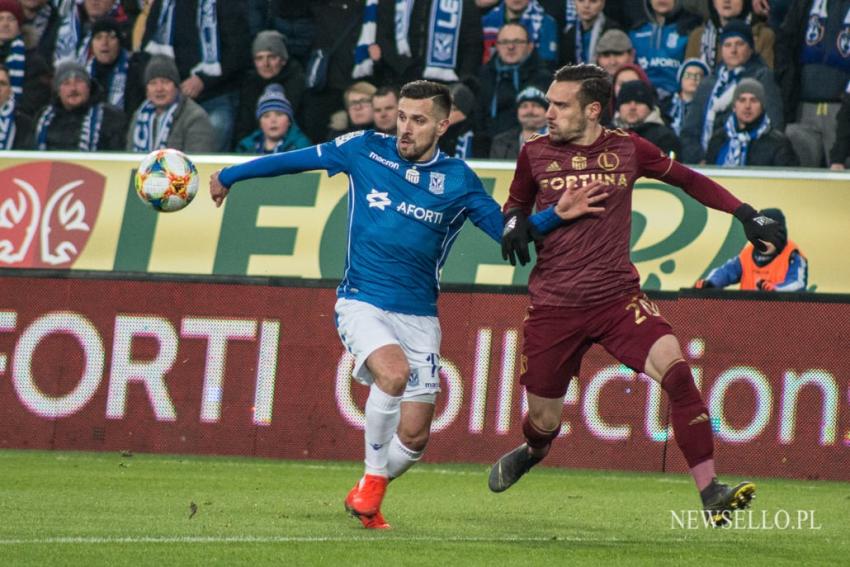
166, 180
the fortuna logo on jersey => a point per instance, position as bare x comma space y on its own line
411, 176
378, 199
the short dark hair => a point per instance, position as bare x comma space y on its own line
438, 93
595, 82
385, 90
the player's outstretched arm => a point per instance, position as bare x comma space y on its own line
759, 229
307, 159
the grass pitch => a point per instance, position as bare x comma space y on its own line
108, 509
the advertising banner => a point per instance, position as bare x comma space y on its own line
214, 368
80, 212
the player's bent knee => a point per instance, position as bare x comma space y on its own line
414, 440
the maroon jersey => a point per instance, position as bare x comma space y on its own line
587, 261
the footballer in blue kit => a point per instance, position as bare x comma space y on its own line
407, 202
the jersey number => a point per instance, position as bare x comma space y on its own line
642, 308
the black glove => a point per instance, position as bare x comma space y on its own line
515, 237
759, 227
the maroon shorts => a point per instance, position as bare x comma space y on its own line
556, 338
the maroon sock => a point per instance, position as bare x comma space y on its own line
691, 423
537, 438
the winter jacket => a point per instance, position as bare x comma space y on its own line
692, 126
191, 131
567, 47
840, 152
772, 148
500, 84
660, 49
763, 37
294, 139
234, 47
291, 78
656, 131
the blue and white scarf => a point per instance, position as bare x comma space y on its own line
16, 63
7, 124
117, 78
708, 45
818, 48
89, 129
571, 17
678, 107
260, 145
148, 122
443, 36
463, 147
719, 100
207, 24
532, 20
734, 151
363, 64
69, 44
595, 31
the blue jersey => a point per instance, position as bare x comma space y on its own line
403, 217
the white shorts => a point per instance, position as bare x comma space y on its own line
364, 328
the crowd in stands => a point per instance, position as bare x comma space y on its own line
717, 82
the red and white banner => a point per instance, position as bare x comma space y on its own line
176, 367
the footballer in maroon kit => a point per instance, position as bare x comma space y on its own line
584, 288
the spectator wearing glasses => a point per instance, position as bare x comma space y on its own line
541, 27
358, 110
691, 74
515, 66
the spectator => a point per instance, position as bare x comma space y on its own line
338, 36
167, 119
627, 73
272, 65
68, 36
541, 27
579, 42
783, 267
638, 112
813, 66
713, 99
515, 65
358, 109
660, 43
109, 63
27, 70
293, 20
691, 74
531, 115
839, 157
78, 119
385, 110
459, 140
614, 50
16, 128
210, 52
747, 137
37, 15
278, 131
704, 41
408, 50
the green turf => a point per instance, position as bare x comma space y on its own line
108, 509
